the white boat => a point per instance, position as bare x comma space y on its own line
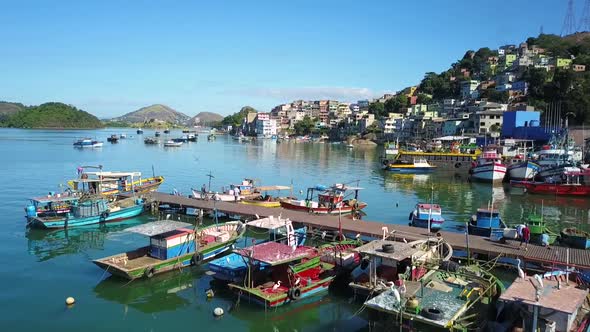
488, 167
87, 143
171, 143
522, 169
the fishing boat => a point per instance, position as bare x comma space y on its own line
166, 131
151, 140
385, 262
571, 183
191, 137
139, 131
485, 221
280, 274
246, 189
113, 138
87, 143
172, 144
488, 167
123, 136
173, 245
423, 213
330, 200
86, 210
113, 183
157, 134
539, 229
233, 267
419, 165
457, 300
266, 200
575, 238
211, 137
522, 169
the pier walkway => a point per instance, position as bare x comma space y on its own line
480, 245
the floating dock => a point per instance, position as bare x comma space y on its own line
556, 256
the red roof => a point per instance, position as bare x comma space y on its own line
274, 253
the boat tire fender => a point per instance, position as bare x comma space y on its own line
295, 293
365, 263
149, 272
458, 165
104, 216
432, 313
196, 259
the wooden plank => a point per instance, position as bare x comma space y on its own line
555, 255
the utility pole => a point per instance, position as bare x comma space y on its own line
569, 22
584, 24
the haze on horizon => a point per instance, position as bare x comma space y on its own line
110, 58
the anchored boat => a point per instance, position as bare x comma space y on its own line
427, 216
87, 143
173, 245
418, 165
575, 238
113, 183
485, 221
330, 200
488, 167
85, 210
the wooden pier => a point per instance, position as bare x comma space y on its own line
555, 256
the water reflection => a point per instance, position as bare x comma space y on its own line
48, 244
162, 293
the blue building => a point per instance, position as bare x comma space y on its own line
515, 119
519, 86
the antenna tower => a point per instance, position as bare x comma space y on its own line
585, 19
569, 22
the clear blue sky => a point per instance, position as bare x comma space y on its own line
112, 57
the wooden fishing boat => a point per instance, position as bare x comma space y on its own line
488, 167
289, 274
233, 267
539, 229
384, 262
113, 183
556, 189
139, 131
86, 210
246, 191
575, 238
266, 200
173, 245
424, 214
418, 165
151, 140
330, 200
485, 221
455, 300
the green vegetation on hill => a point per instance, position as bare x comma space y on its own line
157, 112
236, 119
51, 115
7, 109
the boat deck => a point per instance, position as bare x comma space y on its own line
480, 245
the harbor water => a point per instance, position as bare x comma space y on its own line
40, 269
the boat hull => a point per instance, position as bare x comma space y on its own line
556, 189
323, 210
489, 172
480, 231
575, 241
51, 223
523, 171
279, 300
410, 169
435, 225
268, 204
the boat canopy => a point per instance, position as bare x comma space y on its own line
400, 251
158, 227
269, 188
269, 223
114, 174
274, 253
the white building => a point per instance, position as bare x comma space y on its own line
265, 126
485, 120
469, 89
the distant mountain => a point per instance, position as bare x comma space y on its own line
7, 109
159, 112
206, 118
48, 115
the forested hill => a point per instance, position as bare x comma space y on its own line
50, 115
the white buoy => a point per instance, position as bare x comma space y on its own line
217, 312
70, 300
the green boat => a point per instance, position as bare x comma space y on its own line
173, 245
538, 227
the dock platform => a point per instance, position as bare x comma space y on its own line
556, 256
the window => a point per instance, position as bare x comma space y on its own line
482, 124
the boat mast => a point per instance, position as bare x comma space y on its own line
430, 210
210, 176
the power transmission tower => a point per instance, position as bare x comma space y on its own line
541, 30
569, 22
585, 19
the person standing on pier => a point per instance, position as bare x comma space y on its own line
203, 191
526, 237
236, 193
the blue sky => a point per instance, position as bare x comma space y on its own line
112, 57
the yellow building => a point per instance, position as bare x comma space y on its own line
563, 63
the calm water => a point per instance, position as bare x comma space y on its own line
39, 269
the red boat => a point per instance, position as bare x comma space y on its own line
574, 184
330, 200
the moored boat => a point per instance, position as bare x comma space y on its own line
419, 165
488, 167
211, 137
113, 138
172, 144
330, 200
87, 210
539, 230
173, 245
151, 140
289, 274
112, 183
87, 143
485, 221
575, 238
233, 267
427, 216
139, 131
523, 170
157, 134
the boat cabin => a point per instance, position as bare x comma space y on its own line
487, 218
51, 205
280, 230
331, 197
425, 211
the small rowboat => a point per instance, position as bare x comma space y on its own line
575, 238
172, 144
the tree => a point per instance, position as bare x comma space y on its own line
495, 128
423, 98
377, 108
397, 104
305, 126
496, 96
236, 119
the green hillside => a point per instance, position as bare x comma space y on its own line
51, 115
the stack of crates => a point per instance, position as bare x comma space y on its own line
172, 244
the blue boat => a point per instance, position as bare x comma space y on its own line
484, 222
87, 143
233, 267
423, 212
419, 165
575, 238
82, 211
